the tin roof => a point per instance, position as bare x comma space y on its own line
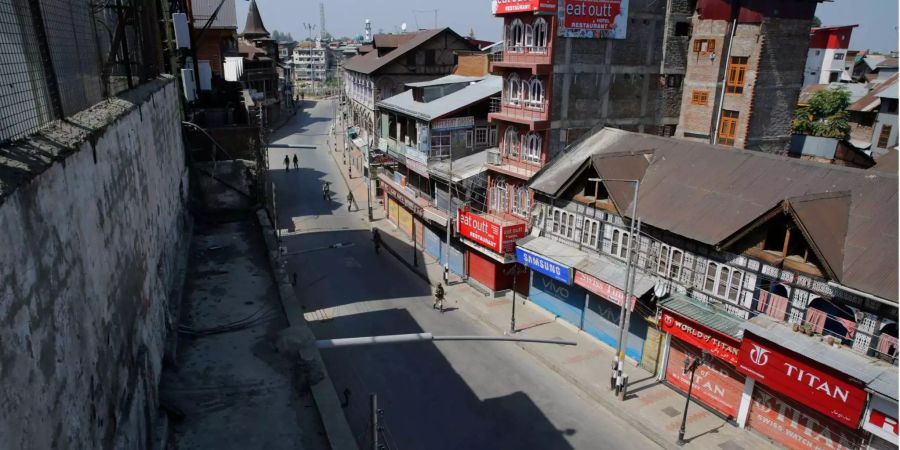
550, 249
878, 376
370, 61
612, 271
463, 168
872, 100
709, 316
404, 103
254, 25
709, 193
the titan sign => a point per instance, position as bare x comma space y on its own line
716, 344
839, 399
517, 6
500, 239
607, 19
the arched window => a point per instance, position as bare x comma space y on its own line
515, 36
532, 147
529, 36
513, 90
499, 195
827, 318
539, 42
511, 142
521, 200
535, 93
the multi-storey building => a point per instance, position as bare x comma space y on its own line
219, 40
826, 60
391, 61
744, 71
312, 62
787, 258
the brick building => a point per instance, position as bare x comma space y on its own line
744, 71
219, 39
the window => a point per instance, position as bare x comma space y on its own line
818, 52
440, 144
529, 36
838, 56
521, 200
470, 138
513, 90
723, 281
499, 196
619, 245
589, 233
682, 29
535, 97
673, 81
662, 261
704, 45
668, 263
493, 135
728, 127
429, 57
566, 222
675, 263
481, 135
540, 36
737, 70
515, 36
700, 98
710, 282
668, 130
885, 135
511, 142
532, 147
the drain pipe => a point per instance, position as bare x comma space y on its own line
714, 139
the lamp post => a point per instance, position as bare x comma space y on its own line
690, 365
512, 319
630, 273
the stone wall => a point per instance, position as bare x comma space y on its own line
92, 224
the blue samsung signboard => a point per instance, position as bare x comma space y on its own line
545, 266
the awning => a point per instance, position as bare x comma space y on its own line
709, 316
612, 271
420, 206
550, 249
878, 376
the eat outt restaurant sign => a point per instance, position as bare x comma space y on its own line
840, 399
517, 6
500, 239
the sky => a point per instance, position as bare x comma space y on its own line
877, 19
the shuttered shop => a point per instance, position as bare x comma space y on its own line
717, 385
564, 301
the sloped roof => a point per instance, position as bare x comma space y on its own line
822, 218
391, 40
404, 103
254, 25
708, 193
449, 79
872, 100
370, 62
709, 316
628, 166
889, 62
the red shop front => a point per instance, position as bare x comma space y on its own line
800, 403
490, 243
717, 385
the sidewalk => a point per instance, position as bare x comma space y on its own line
651, 407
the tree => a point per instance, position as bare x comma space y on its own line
825, 115
817, 22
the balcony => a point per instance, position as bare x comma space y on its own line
538, 60
511, 166
536, 115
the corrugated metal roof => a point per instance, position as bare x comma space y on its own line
550, 249
879, 376
449, 79
872, 100
490, 86
370, 61
706, 315
823, 220
465, 167
612, 271
203, 9
708, 193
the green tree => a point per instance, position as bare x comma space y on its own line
817, 22
825, 115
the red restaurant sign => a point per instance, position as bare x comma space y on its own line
717, 344
482, 231
517, 6
839, 399
593, 18
602, 289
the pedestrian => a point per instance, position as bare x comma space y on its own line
439, 298
346, 401
296, 162
376, 238
325, 191
287, 163
350, 172
350, 201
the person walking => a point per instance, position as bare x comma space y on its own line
439, 298
287, 163
351, 201
296, 162
325, 191
376, 239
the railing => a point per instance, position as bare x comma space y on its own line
511, 165
524, 109
522, 54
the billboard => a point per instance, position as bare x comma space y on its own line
482, 231
517, 6
599, 19
717, 344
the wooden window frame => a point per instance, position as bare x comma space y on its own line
590, 232
884, 137
699, 97
704, 46
737, 75
728, 125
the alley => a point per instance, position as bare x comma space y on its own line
451, 395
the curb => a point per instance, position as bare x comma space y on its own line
337, 430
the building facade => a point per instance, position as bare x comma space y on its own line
313, 62
826, 59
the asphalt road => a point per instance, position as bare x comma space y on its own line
450, 395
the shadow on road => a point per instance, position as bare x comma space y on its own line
426, 403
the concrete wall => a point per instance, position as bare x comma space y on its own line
92, 218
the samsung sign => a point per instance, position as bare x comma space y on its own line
545, 266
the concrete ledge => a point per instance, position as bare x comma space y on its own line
337, 430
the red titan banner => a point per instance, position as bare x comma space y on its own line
778, 369
717, 344
517, 6
482, 231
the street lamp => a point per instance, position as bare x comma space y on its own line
690, 365
512, 319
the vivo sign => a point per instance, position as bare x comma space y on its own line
545, 266
840, 399
517, 6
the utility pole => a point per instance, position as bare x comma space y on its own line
512, 319
449, 218
373, 402
692, 367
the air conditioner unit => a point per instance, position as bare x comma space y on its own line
493, 156
187, 82
182, 31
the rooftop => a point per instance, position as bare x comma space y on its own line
487, 87
398, 44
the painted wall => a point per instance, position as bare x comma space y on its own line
91, 235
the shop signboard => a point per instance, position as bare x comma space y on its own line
717, 344
604, 19
497, 238
881, 419
545, 266
603, 289
417, 161
842, 399
716, 384
517, 6
796, 427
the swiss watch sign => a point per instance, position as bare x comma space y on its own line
777, 369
